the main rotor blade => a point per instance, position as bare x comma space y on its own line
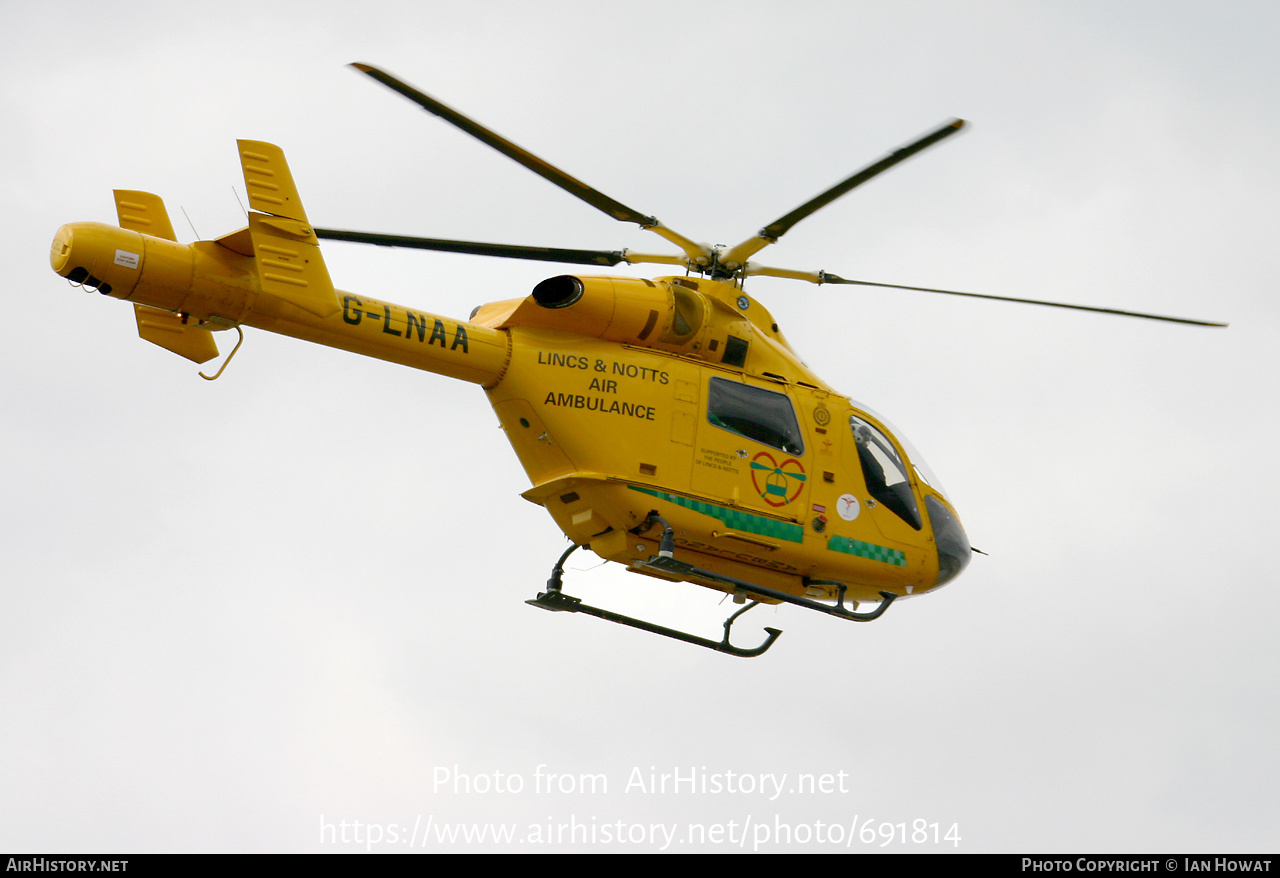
616, 209
779, 227
825, 277
782, 225
547, 171
476, 248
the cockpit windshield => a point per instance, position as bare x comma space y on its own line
918, 463
884, 471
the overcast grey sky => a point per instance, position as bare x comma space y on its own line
239, 612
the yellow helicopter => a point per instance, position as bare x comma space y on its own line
664, 424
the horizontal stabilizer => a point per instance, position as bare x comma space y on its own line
170, 332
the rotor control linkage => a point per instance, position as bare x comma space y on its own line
555, 600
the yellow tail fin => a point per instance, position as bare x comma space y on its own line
285, 248
144, 212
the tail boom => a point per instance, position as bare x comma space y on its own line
211, 285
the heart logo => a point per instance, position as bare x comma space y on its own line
777, 483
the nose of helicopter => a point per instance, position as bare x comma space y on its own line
954, 551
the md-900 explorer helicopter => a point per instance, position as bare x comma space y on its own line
665, 424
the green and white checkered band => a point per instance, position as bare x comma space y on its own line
867, 550
734, 518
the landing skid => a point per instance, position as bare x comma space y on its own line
557, 601
670, 567
666, 566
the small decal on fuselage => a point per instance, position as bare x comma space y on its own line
717, 460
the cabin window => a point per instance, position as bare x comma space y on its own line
884, 471
762, 415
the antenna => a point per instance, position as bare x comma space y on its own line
190, 223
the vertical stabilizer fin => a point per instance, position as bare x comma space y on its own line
143, 212
285, 247
172, 333
268, 181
